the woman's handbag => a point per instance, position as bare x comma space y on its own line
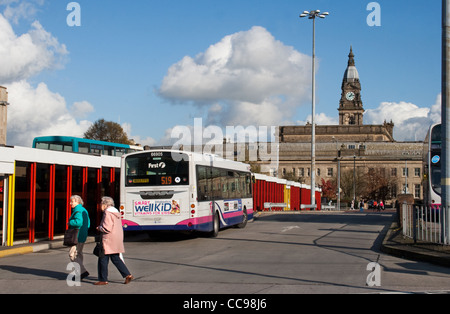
71, 237
98, 249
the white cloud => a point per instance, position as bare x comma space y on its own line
16, 10
29, 54
37, 112
136, 138
321, 119
411, 122
435, 112
81, 109
397, 112
34, 110
249, 77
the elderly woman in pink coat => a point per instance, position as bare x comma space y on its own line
112, 241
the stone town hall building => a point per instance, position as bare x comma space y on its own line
381, 166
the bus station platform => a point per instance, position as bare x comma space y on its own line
26, 248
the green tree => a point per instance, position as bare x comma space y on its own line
107, 131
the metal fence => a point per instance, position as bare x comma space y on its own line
422, 223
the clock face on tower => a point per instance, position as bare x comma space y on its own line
350, 96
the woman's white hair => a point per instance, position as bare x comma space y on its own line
77, 199
108, 201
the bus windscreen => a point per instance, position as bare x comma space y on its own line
156, 169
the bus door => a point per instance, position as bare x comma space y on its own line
208, 189
211, 193
214, 184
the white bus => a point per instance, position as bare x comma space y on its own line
175, 190
432, 166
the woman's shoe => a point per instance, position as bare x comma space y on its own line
84, 275
128, 279
101, 283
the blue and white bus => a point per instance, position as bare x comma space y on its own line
84, 146
432, 166
184, 191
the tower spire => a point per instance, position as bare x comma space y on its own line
351, 57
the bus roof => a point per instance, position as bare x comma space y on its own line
202, 159
61, 139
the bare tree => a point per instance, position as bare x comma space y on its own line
107, 131
379, 184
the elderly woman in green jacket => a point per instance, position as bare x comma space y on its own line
79, 220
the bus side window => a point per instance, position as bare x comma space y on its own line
42, 145
201, 183
108, 150
68, 147
96, 149
57, 147
83, 148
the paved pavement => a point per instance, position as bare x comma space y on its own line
393, 244
34, 247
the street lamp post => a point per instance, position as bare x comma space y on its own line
445, 108
338, 158
312, 16
354, 179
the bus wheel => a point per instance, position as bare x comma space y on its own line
244, 220
216, 226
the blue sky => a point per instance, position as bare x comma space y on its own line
152, 65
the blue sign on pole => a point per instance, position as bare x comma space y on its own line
435, 159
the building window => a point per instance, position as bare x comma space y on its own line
393, 191
417, 172
301, 172
405, 172
393, 172
405, 188
330, 172
417, 190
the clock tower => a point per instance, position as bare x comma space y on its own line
350, 106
